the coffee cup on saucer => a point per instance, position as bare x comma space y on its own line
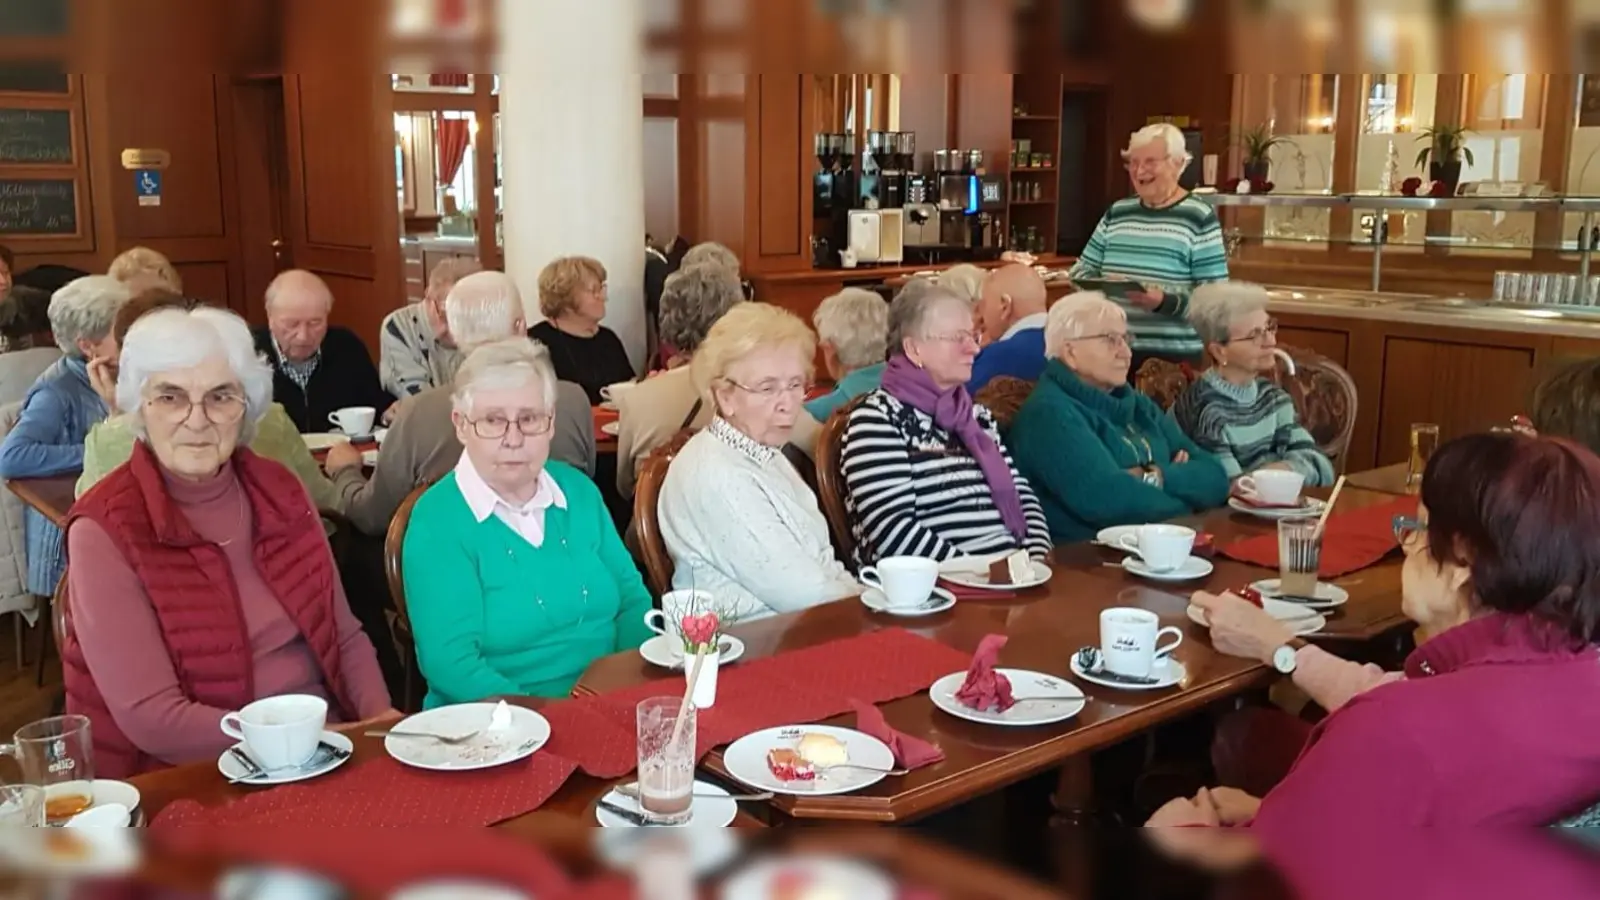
905, 581
354, 421
1129, 640
1162, 547
279, 732
1273, 487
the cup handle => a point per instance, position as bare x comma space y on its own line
1245, 486
869, 577
1162, 652
333, 418
1133, 547
650, 621
231, 726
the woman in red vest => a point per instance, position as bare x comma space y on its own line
200, 576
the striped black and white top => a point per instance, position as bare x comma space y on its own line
913, 490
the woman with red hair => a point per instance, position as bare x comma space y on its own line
1496, 718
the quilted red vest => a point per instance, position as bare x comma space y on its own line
192, 589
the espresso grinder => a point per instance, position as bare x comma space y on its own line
833, 193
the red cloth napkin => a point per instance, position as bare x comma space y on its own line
1352, 540
909, 752
986, 689
963, 592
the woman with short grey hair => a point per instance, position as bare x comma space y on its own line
1234, 409
61, 407
965, 279
156, 660
853, 330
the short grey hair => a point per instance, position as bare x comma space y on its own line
856, 322
170, 339
483, 307
448, 271
84, 309
911, 308
1177, 146
693, 299
965, 279
713, 253
510, 363
1076, 316
1214, 307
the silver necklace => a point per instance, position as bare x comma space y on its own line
583, 613
244, 507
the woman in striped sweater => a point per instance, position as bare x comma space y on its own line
1248, 422
1163, 238
925, 472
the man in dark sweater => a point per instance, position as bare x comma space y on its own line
316, 369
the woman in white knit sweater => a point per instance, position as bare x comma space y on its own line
735, 515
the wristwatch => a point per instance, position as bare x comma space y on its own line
1283, 658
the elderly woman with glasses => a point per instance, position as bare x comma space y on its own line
1100, 452
572, 298
853, 331
925, 472
201, 579
736, 516
516, 579
1162, 238
1495, 719
1233, 410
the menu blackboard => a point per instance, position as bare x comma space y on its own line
38, 206
35, 136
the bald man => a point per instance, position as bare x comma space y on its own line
1011, 312
317, 369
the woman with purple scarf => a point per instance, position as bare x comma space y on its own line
925, 471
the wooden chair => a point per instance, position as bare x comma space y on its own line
393, 551
830, 481
646, 497
1003, 396
1325, 398
1163, 381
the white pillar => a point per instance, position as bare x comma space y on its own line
572, 137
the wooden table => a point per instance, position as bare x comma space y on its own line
1389, 480
51, 496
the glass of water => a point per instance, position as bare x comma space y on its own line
21, 806
1299, 557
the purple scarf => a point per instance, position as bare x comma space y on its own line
952, 411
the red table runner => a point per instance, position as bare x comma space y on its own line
596, 734
1352, 540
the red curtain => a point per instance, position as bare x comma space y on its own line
453, 135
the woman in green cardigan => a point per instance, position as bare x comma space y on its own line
1098, 452
515, 577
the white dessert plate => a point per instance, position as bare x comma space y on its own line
746, 760
515, 735
1309, 506
973, 572
322, 440
1302, 620
1066, 699
1328, 596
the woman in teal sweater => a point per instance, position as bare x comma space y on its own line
1098, 452
515, 577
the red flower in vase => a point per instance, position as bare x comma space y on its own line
1410, 186
701, 630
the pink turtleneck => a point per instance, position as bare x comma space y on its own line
122, 643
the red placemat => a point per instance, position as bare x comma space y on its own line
1353, 540
602, 418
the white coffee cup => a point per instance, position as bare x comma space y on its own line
354, 420
1128, 638
1275, 487
904, 580
668, 620
279, 732
1162, 547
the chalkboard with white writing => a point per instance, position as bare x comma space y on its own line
42, 206
35, 137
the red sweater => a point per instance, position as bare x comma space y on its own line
1496, 723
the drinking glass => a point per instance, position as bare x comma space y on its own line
57, 754
1541, 289
1299, 557
1523, 288
1591, 295
21, 806
1571, 290
1503, 282
1424, 441
666, 760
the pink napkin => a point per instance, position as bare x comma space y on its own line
986, 689
909, 752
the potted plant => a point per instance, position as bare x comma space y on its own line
1446, 147
1257, 144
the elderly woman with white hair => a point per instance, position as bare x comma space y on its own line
61, 407
853, 331
516, 579
737, 518
1099, 452
925, 472
415, 348
211, 584
1233, 410
1162, 238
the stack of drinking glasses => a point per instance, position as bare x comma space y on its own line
1546, 289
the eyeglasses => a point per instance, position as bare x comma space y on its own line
772, 389
957, 337
529, 424
222, 407
1112, 339
1134, 165
1408, 530
1258, 335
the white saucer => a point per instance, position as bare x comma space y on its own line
668, 652
1302, 620
232, 769
354, 438
1192, 568
1112, 537
1309, 506
107, 791
1167, 672
1023, 684
940, 601
704, 812
1328, 595
612, 428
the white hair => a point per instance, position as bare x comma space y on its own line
856, 322
1214, 307
1168, 134
297, 278
713, 253
499, 365
84, 309
170, 339
481, 308
965, 279
1077, 316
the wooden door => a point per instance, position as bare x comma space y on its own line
261, 171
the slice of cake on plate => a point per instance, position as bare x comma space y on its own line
1014, 568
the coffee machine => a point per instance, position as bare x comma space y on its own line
833, 193
886, 169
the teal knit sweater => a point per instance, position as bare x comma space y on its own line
1075, 443
493, 615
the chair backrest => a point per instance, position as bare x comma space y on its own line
1003, 396
1325, 399
394, 542
19, 369
1163, 381
830, 480
59, 620
646, 499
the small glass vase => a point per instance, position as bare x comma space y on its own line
704, 693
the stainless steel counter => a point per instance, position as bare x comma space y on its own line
1418, 309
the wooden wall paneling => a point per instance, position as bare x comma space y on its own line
715, 157
1461, 387
185, 124
261, 186
485, 107
984, 117
778, 209
1330, 342
925, 110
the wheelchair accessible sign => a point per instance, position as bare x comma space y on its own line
147, 185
